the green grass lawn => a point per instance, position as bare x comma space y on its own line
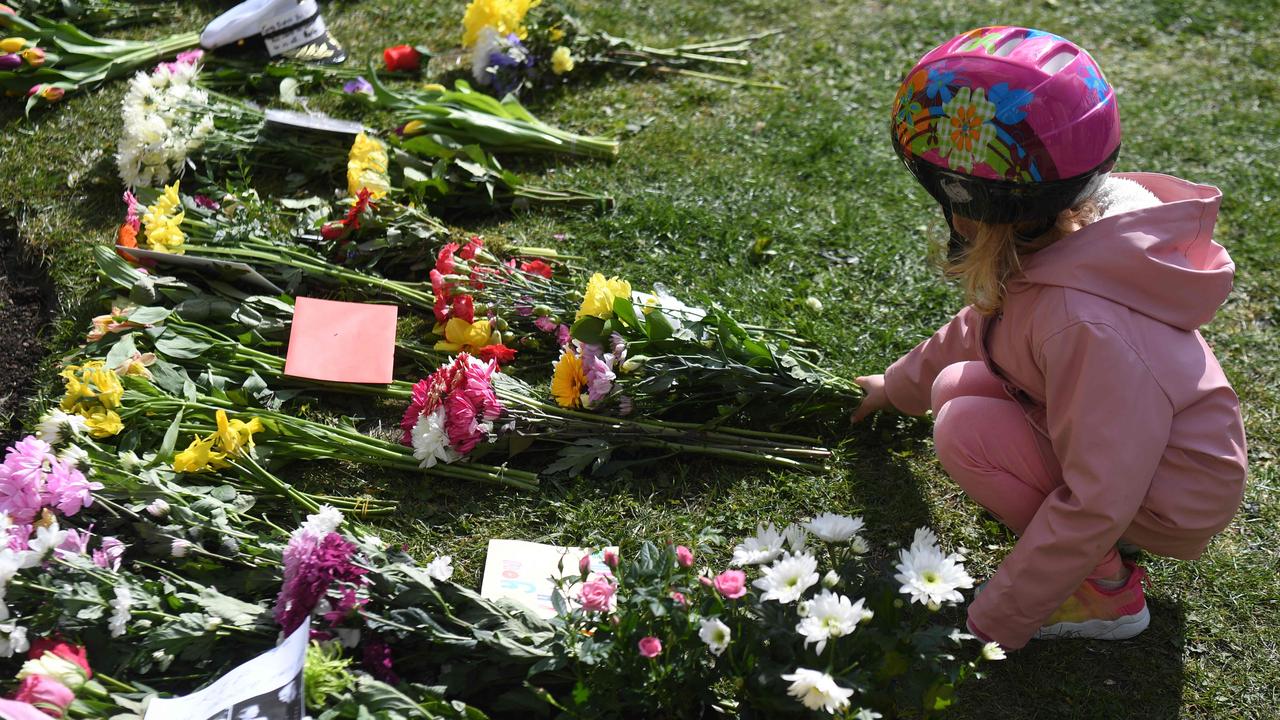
706, 169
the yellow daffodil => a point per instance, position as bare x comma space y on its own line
367, 167
12, 44
234, 437
162, 222
91, 383
103, 423
568, 381
598, 298
461, 335
561, 61
198, 457
504, 16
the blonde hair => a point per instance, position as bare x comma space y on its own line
996, 251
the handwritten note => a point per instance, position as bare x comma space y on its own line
524, 572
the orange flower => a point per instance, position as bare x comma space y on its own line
128, 236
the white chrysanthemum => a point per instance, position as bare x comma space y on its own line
179, 548
323, 521
54, 423
440, 568
43, 543
928, 576
163, 122
833, 528
796, 538
431, 440
817, 690
74, 455
992, 651
788, 578
859, 546
715, 634
831, 616
120, 607
763, 548
865, 714
831, 579
13, 640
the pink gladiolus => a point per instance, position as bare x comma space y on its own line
597, 595
731, 584
650, 647
684, 556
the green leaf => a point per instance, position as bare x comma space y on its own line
122, 350
625, 311
171, 438
589, 330
659, 326
181, 348
149, 315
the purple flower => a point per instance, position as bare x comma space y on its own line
597, 366
22, 478
20, 537
311, 566
377, 662
359, 85
68, 489
76, 542
206, 202
545, 324
110, 554
563, 336
11, 61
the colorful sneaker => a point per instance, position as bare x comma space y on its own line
1099, 614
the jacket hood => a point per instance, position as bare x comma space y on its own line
1160, 261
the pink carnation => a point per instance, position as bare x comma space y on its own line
472, 406
731, 584
650, 647
597, 595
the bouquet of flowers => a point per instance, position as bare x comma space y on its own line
515, 45
43, 59
92, 14
656, 630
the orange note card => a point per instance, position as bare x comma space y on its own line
341, 341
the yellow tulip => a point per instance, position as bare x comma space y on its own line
12, 44
461, 335
367, 167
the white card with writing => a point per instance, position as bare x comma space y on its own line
523, 572
268, 687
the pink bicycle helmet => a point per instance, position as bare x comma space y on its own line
1007, 125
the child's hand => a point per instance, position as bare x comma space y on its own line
876, 399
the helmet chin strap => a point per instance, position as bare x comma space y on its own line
957, 243
1034, 234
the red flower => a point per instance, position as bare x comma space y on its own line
444, 260
501, 353
402, 58
471, 248
65, 650
363, 202
464, 307
128, 236
537, 267
333, 231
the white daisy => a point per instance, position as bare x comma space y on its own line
788, 578
831, 616
431, 440
832, 528
763, 548
817, 690
120, 611
715, 634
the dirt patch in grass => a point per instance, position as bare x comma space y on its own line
27, 302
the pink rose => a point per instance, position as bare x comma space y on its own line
679, 597
45, 693
584, 565
731, 584
611, 559
597, 595
650, 647
684, 556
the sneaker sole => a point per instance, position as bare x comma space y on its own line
1121, 629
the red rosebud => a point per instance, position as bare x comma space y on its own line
501, 353
333, 231
471, 248
464, 307
402, 58
537, 267
65, 650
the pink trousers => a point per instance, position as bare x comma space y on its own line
988, 447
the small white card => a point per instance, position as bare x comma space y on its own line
268, 687
313, 121
523, 572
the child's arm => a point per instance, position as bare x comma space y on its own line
908, 382
1109, 421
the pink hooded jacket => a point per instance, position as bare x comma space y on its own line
1098, 341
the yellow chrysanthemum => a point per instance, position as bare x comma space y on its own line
504, 16
103, 423
461, 335
198, 457
561, 61
367, 167
598, 298
234, 437
162, 222
568, 381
